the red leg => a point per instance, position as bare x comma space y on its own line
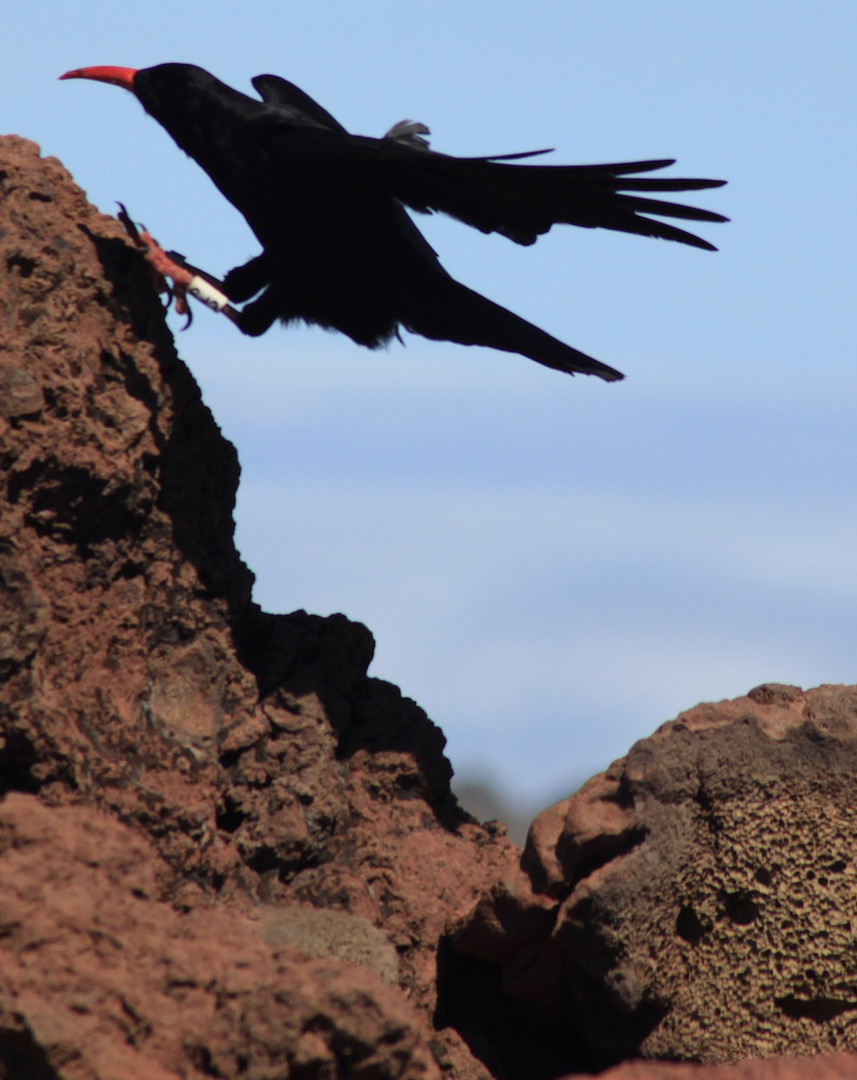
176, 277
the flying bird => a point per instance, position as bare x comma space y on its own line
339, 249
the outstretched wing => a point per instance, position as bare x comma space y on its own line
492, 194
523, 201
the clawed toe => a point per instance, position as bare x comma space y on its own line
176, 277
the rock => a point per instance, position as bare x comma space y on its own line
251, 751
102, 979
333, 934
708, 884
828, 1067
226, 851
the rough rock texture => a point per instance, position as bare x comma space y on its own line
227, 852
708, 884
101, 978
250, 750
830, 1067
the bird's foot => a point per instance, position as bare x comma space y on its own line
176, 277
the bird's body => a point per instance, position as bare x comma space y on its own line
338, 247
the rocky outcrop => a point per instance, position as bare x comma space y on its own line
252, 751
102, 977
707, 886
225, 851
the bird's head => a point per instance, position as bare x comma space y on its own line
168, 92
174, 94
208, 119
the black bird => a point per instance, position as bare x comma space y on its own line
338, 247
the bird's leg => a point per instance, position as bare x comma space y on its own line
244, 282
176, 277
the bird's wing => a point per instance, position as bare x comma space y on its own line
492, 194
293, 102
523, 201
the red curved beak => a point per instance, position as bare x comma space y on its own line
117, 76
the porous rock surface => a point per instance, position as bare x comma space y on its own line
828, 1067
227, 852
100, 977
708, 884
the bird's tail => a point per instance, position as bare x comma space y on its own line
456, 313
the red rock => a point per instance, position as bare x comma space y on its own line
226, 851
251, 750
102, 979
829, 1067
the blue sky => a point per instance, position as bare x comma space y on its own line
551, 566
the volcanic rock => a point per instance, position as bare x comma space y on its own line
828, 1067
102, 978
225, 851
707, 885
251, 751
